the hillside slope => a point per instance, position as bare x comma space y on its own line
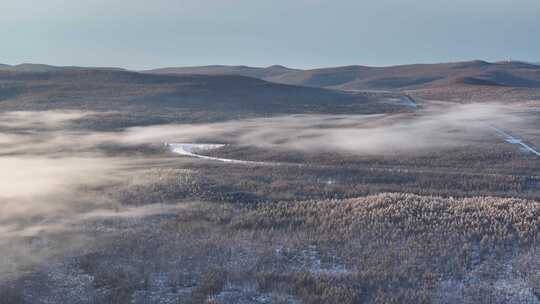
43, 68
461, 81
255, 72
516, 74
204, 96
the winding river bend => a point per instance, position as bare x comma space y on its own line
516, 141
190, 149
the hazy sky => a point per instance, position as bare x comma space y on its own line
142, 34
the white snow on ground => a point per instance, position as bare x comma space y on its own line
407, 101
516, 141
189, 149
309, 259
508, 286
248, 293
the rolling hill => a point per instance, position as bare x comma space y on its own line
175, 97
43, 68
514, 73
462, 81
255, 72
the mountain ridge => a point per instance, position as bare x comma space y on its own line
45, 68
465, 81
177, 97
398, 77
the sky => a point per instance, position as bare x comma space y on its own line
142, 34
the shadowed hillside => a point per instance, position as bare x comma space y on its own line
261, 73
472, 80
42, 68
515, 74
204, 96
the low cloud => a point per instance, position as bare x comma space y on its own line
420, 132
39, 120
53, 174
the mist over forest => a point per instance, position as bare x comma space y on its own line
347, 152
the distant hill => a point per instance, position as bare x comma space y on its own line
463, 80
460, 81
383, 78
255, 72
407, 77
182, 97
43, 68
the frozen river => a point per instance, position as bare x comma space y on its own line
190, 149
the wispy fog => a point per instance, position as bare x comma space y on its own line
37, 120
52, 173
421, 132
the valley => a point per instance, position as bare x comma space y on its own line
228, 189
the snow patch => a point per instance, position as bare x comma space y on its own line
190, 149
516, 141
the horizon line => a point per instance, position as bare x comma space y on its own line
266, 66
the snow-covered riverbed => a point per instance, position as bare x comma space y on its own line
516, 141
190, 149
